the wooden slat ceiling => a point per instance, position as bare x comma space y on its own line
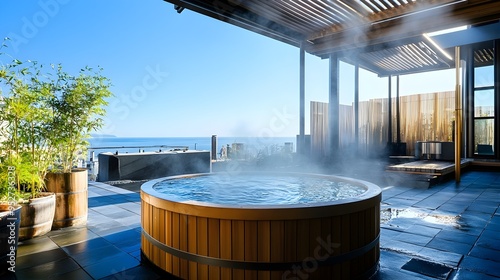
325, 27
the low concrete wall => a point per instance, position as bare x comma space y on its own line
151, 165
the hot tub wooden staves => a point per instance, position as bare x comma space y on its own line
193, 240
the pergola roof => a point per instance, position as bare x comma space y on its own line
384, 36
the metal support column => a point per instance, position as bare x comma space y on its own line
356, 106
389, 117
333, 106
468, 85
496, 67
301, 144
398, 114
458, 116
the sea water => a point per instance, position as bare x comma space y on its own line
139, 144
257, 189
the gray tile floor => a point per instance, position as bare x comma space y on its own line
446, 232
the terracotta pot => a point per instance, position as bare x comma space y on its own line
10, 218
37, 216
71, 191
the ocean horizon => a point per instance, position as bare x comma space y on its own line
100, 144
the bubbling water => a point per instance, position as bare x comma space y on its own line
257, 189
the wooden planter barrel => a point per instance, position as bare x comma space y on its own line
37, 216
192, 240
10, 218
71, 191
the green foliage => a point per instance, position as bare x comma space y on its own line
45, 117
79, 108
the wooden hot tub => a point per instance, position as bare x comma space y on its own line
197, 240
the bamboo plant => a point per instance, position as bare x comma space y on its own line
79, 109
27, 147
46, 115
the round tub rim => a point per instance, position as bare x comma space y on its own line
269, 212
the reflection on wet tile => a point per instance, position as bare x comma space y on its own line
86, 245
139, 272
481, 265
35, 245
113, 265
420, 240
485, 253
48, 269
90, 257
402, 247
464, 274
449, 246
79, 274
438, 256
457, 236
72, 237
424, 267
39, 258
424, 230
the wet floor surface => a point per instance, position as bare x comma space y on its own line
449, 231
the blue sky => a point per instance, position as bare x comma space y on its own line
184, 74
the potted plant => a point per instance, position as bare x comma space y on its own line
26, 151
78, 106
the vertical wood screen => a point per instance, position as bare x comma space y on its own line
424, 117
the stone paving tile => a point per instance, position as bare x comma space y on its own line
35, 259
35, 245
475, 264
107, 209
393, 260
400, 224
485, 253
96, 255
113, 265
448, 258
493, 226
400, 202
430, 203
464, 274
424, 230
453, 207
138, 272
483, 207
48, 269
428, 268
457, 236
489, 242
449, 246
73, 236
402, 247
107, 229
86, 246
132, 207
416, 239
387, 235
79, 274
